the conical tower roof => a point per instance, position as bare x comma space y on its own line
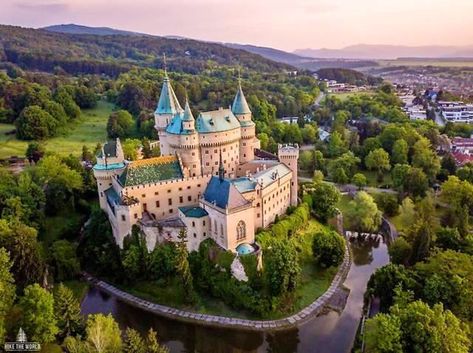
240, 106
168, 103
187, 116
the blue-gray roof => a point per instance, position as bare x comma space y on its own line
112, 197
168, 103
176, 127
223, 194
244, 184
193, 211
245, 249
240, 106
216, 121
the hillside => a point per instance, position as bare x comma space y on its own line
79, 29
351, 77
37, 49
270, 53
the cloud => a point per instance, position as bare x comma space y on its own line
47, 6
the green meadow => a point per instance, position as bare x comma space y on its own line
88, 130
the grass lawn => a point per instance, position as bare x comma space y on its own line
88, 130
313, 283
345, 95
372, 178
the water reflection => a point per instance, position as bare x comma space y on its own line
329, 333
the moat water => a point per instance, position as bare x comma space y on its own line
329, 333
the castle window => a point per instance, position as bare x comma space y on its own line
171, 210
181, 199
207, 152
203, 223
135, 215
193, 224
257, 205
143, 195
241, 230
123, 217
157, 203
193, 153
180, 189
169, 191
205, 234
169, 202
198, 185
221, 229
189, 198
195, 235
215, 226
258, 215
156, 193
207, 164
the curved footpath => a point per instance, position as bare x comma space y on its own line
221, 321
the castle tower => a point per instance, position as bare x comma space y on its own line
189, 142
242, 112
110, 162
168, 107
289, 154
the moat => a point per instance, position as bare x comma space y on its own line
331, 332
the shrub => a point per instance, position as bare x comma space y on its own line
400, 251
328, 248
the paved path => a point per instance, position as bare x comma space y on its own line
213, 320
343, 187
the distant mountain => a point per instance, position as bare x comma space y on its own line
270, 53
388, 52
51, 51
99, 31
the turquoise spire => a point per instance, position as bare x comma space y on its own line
187, 116
168, 103
240, 106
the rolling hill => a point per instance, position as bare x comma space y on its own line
39, 49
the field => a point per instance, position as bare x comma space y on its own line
427, 62
88, 130
345, 95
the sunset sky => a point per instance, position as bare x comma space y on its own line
284, 24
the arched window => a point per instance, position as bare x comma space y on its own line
241, 230
221, 230
215, 227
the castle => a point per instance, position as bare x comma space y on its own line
211, 179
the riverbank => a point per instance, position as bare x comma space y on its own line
312, 310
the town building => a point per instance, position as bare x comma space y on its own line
211, 179
456, 112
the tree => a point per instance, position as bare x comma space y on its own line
425, 158
386, 279
182, 266
400, 251
64, 259
341, 169
20, 241
130, 149
363, 214
7, 290
407, 213
38, 319
120, 124
63, 97
281, 268
328, 248
378, 160
325, 198
34, 152
387, 203
67, 312
153, 344
416, 182
426, 329
87, 155
133, 342
34, 123
319, 161
336, 145
400, 152
383, 334
103, 333
85, 97
359, 180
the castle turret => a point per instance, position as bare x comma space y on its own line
168, 107
242, 111
189, 150
110, 162
289, 154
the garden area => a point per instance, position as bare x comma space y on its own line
300, 259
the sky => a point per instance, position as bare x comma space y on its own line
283, 24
